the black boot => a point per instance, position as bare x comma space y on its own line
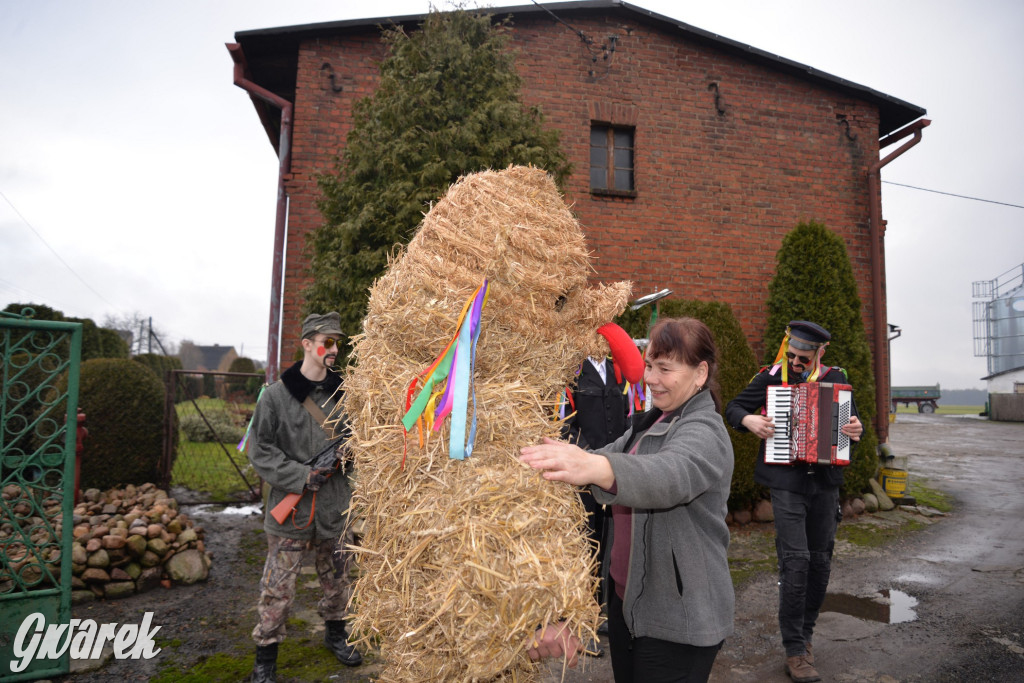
265, 670
337, 642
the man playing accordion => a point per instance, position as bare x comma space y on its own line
805, 496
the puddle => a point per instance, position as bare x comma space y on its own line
888, 606
208, 509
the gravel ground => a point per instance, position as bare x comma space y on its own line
963, 575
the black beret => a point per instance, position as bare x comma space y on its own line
806, 335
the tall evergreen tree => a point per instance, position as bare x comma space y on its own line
448, 104
814, 281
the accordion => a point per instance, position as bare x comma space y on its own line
807, 420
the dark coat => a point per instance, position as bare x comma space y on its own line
792, 477
601, 407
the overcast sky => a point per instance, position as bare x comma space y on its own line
136, 178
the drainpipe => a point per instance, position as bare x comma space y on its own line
881, 336
284, 153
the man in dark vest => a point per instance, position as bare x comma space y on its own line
805, 497
287, 432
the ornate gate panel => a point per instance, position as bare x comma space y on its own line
39, 365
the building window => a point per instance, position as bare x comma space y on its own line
611, 159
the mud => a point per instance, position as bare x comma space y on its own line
965, 570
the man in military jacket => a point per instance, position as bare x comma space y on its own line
287, 432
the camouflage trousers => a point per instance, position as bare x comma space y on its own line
277, 586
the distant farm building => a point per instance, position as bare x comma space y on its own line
999, 337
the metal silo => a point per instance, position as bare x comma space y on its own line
999, 321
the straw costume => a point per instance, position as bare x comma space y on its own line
465, 552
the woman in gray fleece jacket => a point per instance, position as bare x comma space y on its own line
667, 480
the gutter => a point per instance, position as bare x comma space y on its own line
284, 153
881, 336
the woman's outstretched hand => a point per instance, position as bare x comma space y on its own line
566, 462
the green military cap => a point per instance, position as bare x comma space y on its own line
321, 323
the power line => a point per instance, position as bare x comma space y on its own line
950, 194
53, 251
586, 40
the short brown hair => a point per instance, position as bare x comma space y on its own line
689, 341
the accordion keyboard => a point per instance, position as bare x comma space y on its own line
778, 450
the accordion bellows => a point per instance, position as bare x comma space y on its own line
461, 560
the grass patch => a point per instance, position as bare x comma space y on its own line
944, 409
212, 467
232, 664
208, 467
213, 406
308, 659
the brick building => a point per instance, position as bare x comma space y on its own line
694, 155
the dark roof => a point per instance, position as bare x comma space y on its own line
272, 53
211, 356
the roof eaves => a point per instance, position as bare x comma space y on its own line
894, 112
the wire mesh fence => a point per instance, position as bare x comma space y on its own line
206, 416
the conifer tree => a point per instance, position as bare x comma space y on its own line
814, 281
448, 104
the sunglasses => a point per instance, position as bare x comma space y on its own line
328, 342
804, 360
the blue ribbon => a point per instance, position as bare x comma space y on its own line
459, 447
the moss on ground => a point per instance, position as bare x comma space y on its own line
301, 657
929, 497
743, 571
221, 667
253, 546
876, 535
751, 553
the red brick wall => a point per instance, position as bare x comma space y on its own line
716, 193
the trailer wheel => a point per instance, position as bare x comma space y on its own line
926, 408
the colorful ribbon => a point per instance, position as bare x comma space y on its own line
455, 364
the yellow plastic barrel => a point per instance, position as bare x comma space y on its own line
894, 482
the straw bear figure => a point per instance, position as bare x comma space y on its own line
461, 560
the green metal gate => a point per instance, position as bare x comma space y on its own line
39, 364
